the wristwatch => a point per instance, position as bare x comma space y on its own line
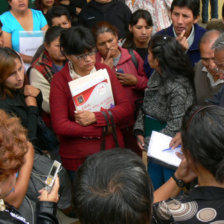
179, 182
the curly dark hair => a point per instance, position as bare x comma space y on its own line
13, 145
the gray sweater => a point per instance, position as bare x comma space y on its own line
166, 102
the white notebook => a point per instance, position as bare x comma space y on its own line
159, 149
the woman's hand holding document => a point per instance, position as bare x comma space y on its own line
84, 118
159, 149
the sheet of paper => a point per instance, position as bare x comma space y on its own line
29, 42
158, 143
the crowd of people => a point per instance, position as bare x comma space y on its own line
166, 74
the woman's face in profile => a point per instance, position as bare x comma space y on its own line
19, 5
142, 32
107, 44
16, 79
54, 51
7, 185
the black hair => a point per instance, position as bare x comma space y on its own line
52, 33
172, 59
223, 11
202, 135
138, 14
1, 24
104, 27
113, 186
193, 5
77, 40
57, 11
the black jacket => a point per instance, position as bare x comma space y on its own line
114, 12
16, 106
46, 214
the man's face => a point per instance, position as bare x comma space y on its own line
182, 19
219, 61
1, 38
208, 58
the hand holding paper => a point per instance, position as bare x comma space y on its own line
157, 149
176, 140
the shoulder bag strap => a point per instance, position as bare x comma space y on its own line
114, 133
105, 129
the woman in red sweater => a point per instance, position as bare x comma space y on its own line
80, 132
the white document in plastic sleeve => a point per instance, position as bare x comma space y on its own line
29, 42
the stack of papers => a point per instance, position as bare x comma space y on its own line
92, 92
159, 149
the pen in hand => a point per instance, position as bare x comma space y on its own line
167, 149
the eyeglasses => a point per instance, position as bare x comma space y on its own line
85, 55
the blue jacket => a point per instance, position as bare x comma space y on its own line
193, 52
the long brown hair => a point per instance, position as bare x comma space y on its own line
7, 66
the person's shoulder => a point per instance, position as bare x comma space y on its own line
120, 3
5, 17
199, 29
198, 66
167, 31
5, 14
61, 75
99, 66
37, 13
123, 7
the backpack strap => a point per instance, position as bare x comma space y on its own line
133, 58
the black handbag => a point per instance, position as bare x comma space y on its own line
105, 130
47, 139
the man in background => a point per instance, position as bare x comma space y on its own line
218, 98
184, 27
207, 79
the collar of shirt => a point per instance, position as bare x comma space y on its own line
210, 77
75, 75
206, 193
